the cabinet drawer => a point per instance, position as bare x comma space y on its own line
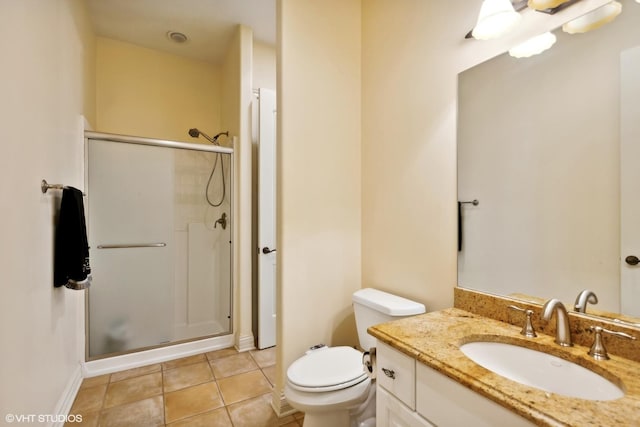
396, 372
445, 402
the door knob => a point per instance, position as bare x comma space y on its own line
266, 250
632, 260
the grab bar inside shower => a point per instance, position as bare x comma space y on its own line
133, 245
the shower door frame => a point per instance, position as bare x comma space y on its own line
102, 136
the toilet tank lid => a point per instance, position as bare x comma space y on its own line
386, 303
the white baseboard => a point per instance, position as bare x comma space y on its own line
246, 343
280, 405
156, 355
68, 396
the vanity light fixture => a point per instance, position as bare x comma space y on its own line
545, 4
594, 19
495, 19
533, 46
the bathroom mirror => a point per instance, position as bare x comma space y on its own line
539, 148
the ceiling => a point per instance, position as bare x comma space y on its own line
209, 24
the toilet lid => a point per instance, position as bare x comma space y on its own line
328, 368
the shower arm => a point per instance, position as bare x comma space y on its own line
194, 132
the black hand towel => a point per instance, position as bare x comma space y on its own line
459, 226
71, 265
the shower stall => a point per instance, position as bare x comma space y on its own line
161, 254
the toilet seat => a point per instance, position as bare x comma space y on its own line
327, 369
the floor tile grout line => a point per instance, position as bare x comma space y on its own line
220, 393
100, 412
164, 407
104, 398
226, 408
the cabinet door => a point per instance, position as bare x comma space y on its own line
390, 412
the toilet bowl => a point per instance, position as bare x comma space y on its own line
330, 384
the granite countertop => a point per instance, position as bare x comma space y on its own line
434, 339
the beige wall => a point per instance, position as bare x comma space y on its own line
236, 109
264, 65
318, 182
408, 149
230, 91
145, 92
47, 86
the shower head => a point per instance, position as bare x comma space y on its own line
193, 132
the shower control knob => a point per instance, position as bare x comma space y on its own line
632, 260
266, 250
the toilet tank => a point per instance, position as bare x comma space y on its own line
372, 307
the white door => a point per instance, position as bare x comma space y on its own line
267, 219
630, 182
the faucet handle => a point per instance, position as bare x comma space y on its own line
598, 350
527, 328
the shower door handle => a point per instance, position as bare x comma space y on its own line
266, 250
133, 245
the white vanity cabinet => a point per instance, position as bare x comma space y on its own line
410, 394
396, 389
390, 412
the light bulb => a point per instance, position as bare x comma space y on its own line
545, 4
495, 19
594, 19
533, 46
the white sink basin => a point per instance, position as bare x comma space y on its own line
541, 370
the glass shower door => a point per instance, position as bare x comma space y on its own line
160, 254
130, 223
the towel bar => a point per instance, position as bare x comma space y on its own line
45, 186
133, 245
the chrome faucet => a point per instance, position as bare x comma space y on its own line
584, 297
563, 331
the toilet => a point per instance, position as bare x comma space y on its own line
330, 384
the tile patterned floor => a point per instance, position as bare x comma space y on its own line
221, 388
